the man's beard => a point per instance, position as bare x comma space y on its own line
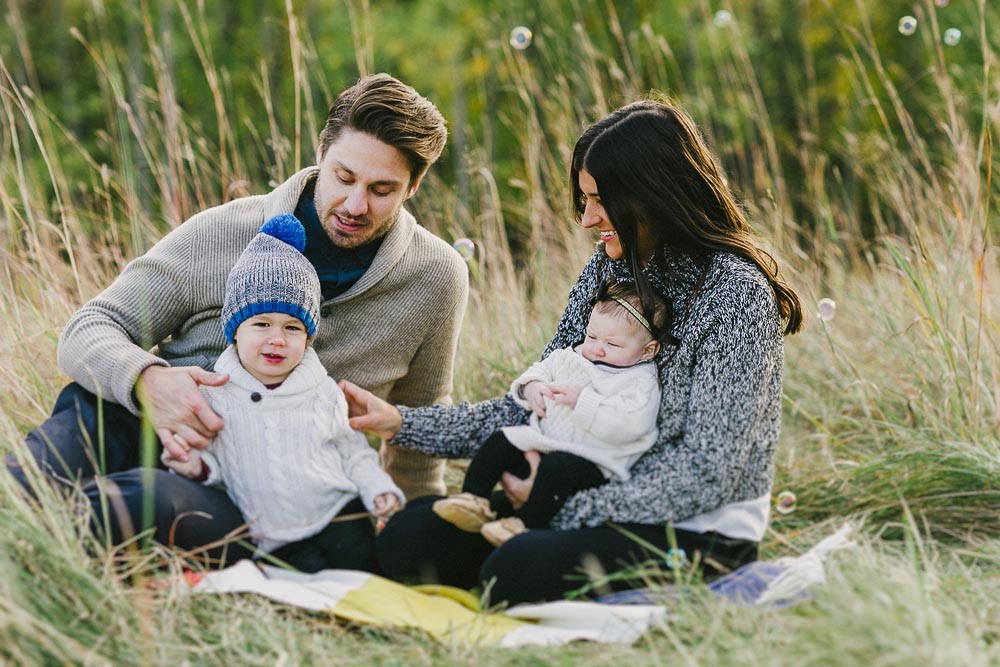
334, 234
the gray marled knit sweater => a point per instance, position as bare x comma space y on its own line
721, 407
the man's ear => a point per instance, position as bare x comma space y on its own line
413, 188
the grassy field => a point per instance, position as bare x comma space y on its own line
891, 403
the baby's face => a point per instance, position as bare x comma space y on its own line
271, 345
615, 341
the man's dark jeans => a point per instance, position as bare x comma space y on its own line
99, 444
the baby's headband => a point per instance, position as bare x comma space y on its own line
602, 295
635, 313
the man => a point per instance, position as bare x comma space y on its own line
393, 300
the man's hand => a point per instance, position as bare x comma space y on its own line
516, 489
535, 393
192, 468
369, 413
180, 414
566, 394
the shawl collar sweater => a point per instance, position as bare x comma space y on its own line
393, 332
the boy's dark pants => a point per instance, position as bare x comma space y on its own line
560, 475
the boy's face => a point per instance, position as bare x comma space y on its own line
362, 184
271, 345
614, 341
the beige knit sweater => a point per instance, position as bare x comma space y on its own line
394, 332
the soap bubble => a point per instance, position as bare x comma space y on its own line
465, 248
675, 558
952, 36
722, 18
907, 25
785, 502
941, 3
520, 38
826, 309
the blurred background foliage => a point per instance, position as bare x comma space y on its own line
793, 93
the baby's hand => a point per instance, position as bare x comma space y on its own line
386, 505
535, 393
191, 468
566, 394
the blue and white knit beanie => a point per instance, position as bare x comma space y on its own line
273, 276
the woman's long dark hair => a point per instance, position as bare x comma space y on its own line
654, 171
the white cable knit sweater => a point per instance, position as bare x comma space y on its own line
614, 420
287, 456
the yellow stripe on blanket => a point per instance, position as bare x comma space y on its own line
442, 612
385, 603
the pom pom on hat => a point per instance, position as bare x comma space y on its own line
273, 276
287, 228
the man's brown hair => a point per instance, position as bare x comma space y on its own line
385, 108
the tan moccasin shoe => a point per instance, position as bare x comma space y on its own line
465, 511
498, 532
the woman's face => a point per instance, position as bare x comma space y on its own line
594, 216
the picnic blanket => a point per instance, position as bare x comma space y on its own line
452, 616
779, 583
449, 615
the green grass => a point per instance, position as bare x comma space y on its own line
891, 407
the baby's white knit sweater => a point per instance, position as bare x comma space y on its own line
287, 456
614, 420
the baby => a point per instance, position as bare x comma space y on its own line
594, 408
286, 456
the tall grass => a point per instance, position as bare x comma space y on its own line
892, 406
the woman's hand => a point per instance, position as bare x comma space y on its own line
369, 413
516, 489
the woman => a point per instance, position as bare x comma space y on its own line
645, 180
